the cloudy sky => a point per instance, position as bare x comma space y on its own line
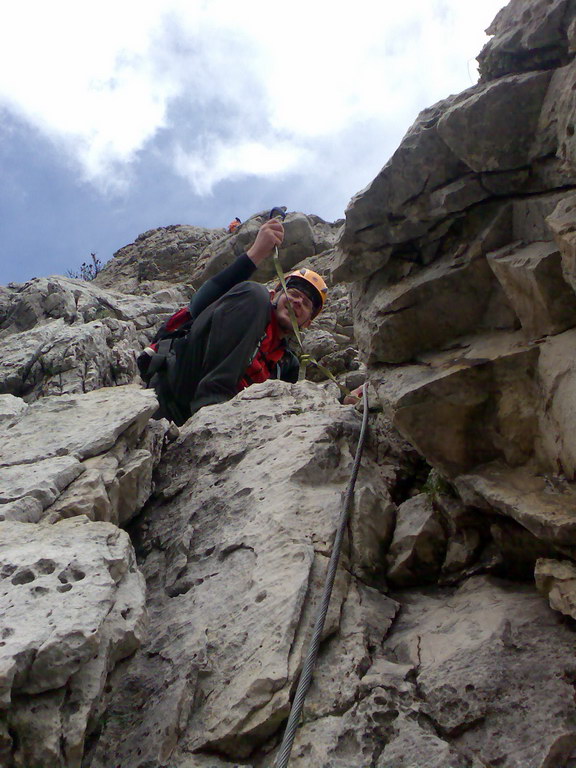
124, 115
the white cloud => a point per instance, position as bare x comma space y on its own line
268, 84
229, 161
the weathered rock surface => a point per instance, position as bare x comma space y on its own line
462, 260
557, 581
72, 607
233, 553
529, 35
187, 256
157, 259
89, 454
418, 547
64, 336
486, 404
482, 653
304, 237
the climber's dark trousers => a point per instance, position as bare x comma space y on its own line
211, 360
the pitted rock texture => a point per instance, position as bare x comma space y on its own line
234, 552
72, 607
529, 35
449, 640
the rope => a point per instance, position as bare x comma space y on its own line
304, 358
306, 675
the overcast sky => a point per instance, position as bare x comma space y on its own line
120, 116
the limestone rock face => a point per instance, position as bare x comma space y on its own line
482, 653
234, 552
187, 256
418, 547
304, 237
557, 581
72, 607
463, 287
157, 259
449, 639
63, 336
529, 35
89, 454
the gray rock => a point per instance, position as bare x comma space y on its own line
525, 496
234, 564
556, 580
480, 132
532, 279
157, 259
449, 409
527, 35
418, 547
11, 408
304, 236
423, 312
561, 222
484, 653
92, 455
72, 606
76, 425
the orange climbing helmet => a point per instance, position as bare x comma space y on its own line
311, 284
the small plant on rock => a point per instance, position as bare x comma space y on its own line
88, 270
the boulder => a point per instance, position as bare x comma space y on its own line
446, 687
92, 455
479, 130
528, 35
541, 506
418, 547
531, 277
556, 580
72, 607
554, 449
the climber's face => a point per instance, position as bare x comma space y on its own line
302, 307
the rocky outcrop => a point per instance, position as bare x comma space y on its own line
528, 35
466, 311
89, 455
234, 550
187, 256
304, 238
72, 604
449, 637
64, 336
157, 259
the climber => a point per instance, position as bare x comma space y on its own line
233, 226
239, 332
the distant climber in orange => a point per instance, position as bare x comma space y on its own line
233, 226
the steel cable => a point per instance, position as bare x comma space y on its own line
306, 675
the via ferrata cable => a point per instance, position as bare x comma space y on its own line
306, 675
